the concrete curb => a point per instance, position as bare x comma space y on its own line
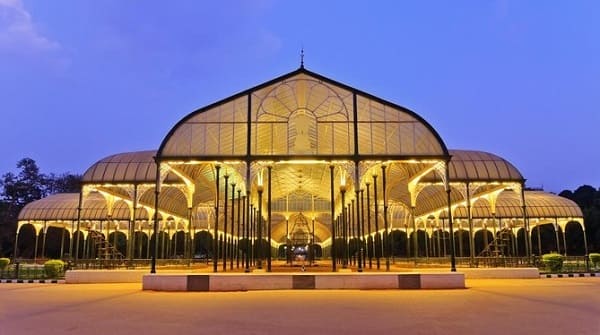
305, 281
104, 276
32, 281
501, 273
570, 275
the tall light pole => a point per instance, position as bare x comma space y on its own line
345, 232
215, 255
386, 247
260, 189
333, 236
224, 244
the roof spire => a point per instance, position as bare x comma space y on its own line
302, 58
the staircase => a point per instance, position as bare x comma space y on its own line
499, 245
107, 254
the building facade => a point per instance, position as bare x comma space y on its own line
303, 165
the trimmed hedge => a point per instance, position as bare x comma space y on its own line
595, 259
4, 262
553, 262
53, 268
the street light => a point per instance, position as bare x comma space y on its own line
260, 189
344, 225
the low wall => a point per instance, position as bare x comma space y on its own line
104, 276
501, 273
276, 281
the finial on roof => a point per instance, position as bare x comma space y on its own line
302, 58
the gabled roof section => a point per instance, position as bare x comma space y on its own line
301, 113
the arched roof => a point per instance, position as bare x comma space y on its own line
63, 207
301, 114
124, 168
538, 205
472, 166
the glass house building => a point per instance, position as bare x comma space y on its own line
302, 164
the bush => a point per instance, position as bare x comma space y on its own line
53, 268
553, 262
594, 258
5, 261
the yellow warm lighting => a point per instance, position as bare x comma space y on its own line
259, 180
343, 181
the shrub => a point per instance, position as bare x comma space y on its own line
5, 261
53, 268
553, 262
594, 258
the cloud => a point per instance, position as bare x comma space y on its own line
18, 32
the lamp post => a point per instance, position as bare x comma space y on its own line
358, 223
377, 251
246, 214
239, 207
224, 243
312, 246
269, 215
345, 232
333, 236
387, 245
370, 247
260, 189
232, 244
216, 227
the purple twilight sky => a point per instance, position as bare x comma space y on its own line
84, 79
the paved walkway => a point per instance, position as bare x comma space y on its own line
534, 306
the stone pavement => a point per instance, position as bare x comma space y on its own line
508, 306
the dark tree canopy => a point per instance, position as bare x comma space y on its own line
27, 185
588, 198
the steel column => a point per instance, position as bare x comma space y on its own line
376, 214
231, 246
269, 223
449, 199
79, 204
471, 235
239, 209
224, 246
370, 245
216, 227
362, 228
333, 236
344, 230
259, 227
386, 248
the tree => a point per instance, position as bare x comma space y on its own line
26, 186
588, 199
64, 183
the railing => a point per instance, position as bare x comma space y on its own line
27, 269
467, 262
136, 263
571, 264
